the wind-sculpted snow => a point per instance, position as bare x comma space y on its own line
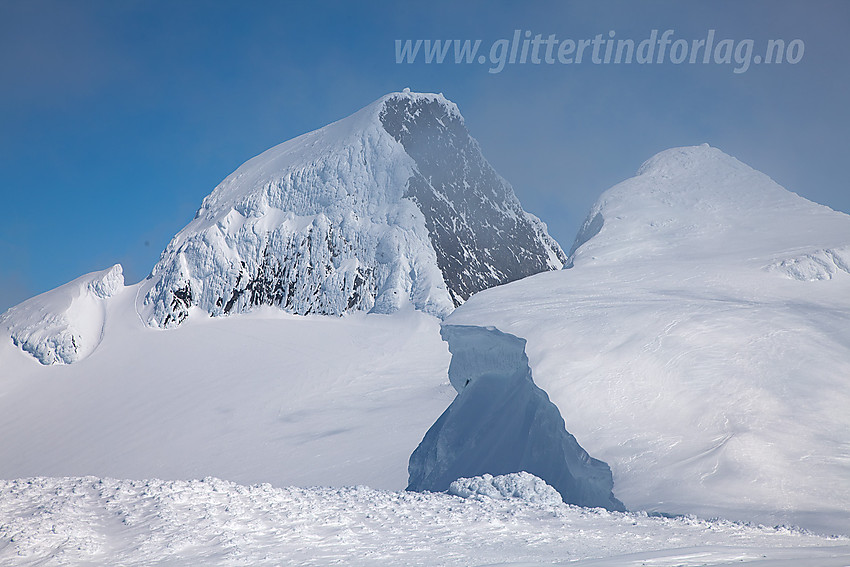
700, 344
101, 521
502, 423
391, 205
64, 325
521, 485
816, 265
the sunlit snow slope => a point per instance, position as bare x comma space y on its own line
700, 344
259, 397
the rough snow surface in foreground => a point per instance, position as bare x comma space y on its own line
71, 521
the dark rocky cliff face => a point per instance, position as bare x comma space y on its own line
478, 228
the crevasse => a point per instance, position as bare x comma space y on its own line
501, 423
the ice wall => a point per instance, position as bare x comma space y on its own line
501, 423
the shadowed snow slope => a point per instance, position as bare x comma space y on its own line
393, 204
700, 344
259, 397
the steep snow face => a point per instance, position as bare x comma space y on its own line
64, 325
501, 423
700, 344
393, 204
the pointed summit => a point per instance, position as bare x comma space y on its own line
394, 204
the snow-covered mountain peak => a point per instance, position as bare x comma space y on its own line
416, 99
697, 203
701, 177
675, 161
271, 178
392, 205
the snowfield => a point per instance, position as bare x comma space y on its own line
100, 521
259, 397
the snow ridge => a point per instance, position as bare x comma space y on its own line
478, 228
64, 325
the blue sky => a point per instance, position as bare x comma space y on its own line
117, 118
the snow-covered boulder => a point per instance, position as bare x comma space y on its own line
520, 486
64, 325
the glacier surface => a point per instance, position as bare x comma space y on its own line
264, 396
